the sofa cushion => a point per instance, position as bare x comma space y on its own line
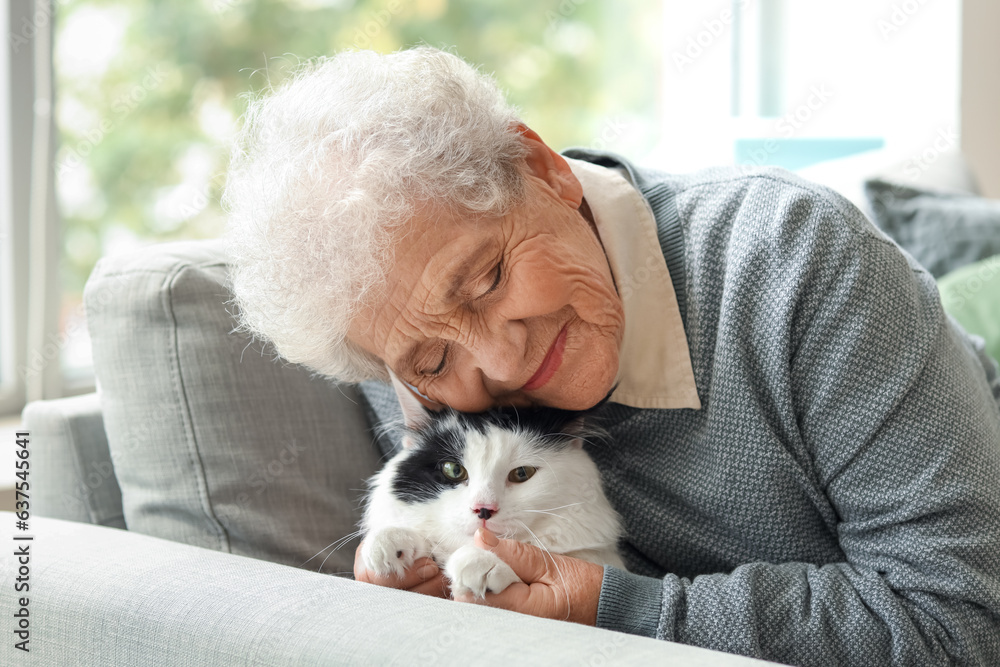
942, 230
971, 295
216, 443
77, 481
911, 165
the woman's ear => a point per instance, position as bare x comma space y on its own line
415, 415
551, 167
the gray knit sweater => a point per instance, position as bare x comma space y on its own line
836, 501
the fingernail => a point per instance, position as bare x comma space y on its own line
427, 571
488, 537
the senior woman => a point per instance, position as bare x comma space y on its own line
805, 450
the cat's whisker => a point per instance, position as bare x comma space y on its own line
324, 561
434, 548
555, 564
344, 540
320, 551
553, 469
336, 544
550, 513
590, 438
313, 556
560, 507
538, 542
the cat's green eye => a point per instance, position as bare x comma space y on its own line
454, 471
521, 474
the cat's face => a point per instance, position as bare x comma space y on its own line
465, 472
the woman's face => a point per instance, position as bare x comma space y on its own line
520, 310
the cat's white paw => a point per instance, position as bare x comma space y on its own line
392, 550
477, 571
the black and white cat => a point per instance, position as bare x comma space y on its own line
522, 474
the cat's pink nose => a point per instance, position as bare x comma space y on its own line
485, 511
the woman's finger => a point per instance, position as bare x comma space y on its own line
529, 562
435, 587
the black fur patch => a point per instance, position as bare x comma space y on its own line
554, 427
419, 477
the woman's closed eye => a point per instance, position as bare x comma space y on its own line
497, 279
440, 367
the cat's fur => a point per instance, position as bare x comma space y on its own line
414, 510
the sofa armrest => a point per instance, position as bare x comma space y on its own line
74, 478
101, 597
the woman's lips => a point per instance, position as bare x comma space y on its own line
550, 364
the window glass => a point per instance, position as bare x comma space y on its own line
852, 74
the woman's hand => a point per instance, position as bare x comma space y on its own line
555, 586
424, 576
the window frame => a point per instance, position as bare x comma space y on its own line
15, 66
29, 300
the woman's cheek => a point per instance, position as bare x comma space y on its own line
465, 392
605, 311
596, 302
537, 292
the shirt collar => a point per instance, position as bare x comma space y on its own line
654, 361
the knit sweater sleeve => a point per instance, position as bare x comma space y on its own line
902, 436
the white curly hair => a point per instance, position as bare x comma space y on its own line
329, 166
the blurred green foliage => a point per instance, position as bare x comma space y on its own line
149, 91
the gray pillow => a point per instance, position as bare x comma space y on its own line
214, 443
943, 231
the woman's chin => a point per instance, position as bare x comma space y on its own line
585, 390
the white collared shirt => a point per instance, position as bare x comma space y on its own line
654, 361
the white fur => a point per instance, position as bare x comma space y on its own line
562, 509
478, 571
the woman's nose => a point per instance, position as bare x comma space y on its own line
500, 352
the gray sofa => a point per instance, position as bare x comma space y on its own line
182, 514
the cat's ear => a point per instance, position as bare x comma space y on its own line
576, 427
579, 423
415, 415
